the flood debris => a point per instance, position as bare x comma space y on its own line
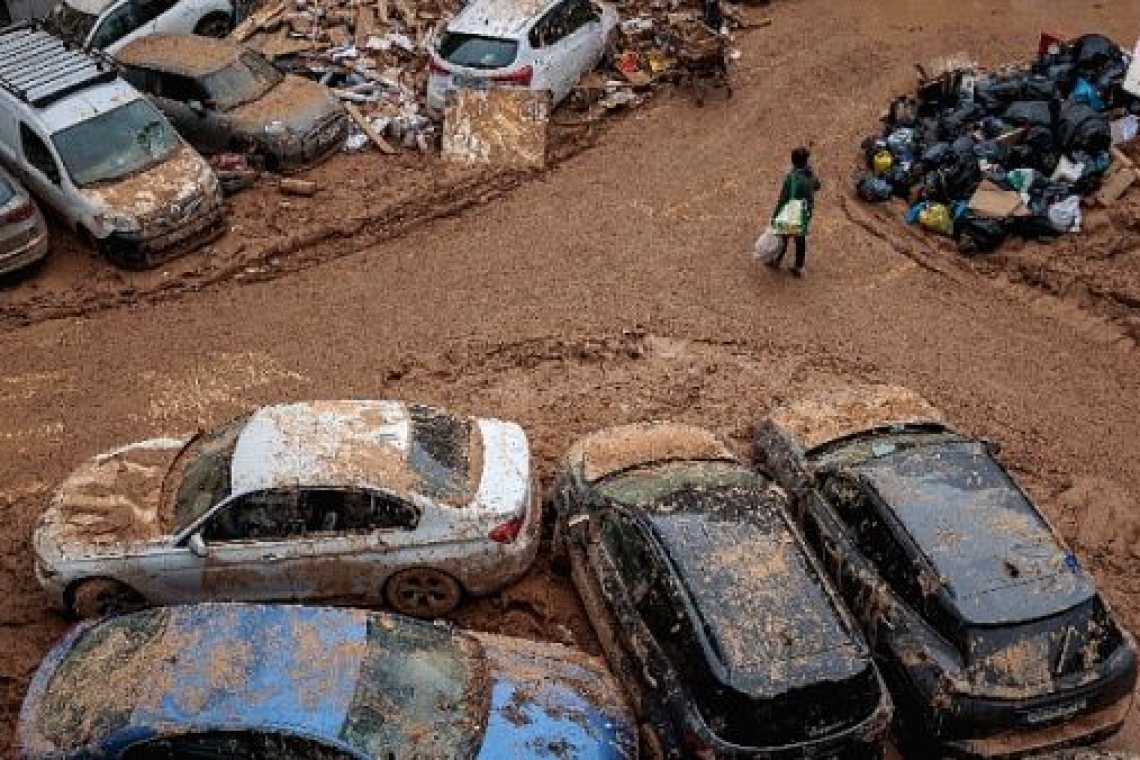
302, 187
978, 155
499, 127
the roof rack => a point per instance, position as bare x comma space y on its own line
39, 69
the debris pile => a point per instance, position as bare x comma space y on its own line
372, 53
979, 156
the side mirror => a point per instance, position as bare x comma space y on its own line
197, 106
198, 547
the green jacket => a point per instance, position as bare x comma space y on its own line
799, 184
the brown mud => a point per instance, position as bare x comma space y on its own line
613, 289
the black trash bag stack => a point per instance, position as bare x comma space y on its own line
959, 131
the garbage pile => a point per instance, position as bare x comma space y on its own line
979, 156
372, 53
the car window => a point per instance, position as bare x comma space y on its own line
117, 24
476, 52
38, 154
264, 516
235, 745
202, 472
116, 143
177, 88
337, 510
629, 555
551, 28
578, 14
149, 10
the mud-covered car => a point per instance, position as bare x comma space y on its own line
992, 636
266, 682
708, 604
335, 500
109, 24
23, 231
223, 97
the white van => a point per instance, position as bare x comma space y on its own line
109, 24
99, 154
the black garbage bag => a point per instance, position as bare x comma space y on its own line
937, 154
960, 118
992, 151
1028, 113
1040, 139
1033, 227
952, 182
1039, 87
996, 93
963, 147
1095, 51
1024, 157
977, 234
1083, 128
873, 189
902, 181
993, 127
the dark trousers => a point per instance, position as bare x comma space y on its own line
801, 251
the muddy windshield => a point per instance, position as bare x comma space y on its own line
475, 52
654, 484
206, 468
117, 143
421, 693
243, 81
69, 24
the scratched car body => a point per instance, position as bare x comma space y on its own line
264, 682
335, 500
709, 605
223, 97
990, 633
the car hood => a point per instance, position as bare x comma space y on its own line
162, 192
109, 501
549, 701
296, 103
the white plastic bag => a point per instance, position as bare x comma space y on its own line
769, 246
1065, 216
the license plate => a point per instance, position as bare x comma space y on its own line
1048, 714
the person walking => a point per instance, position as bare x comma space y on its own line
792, 217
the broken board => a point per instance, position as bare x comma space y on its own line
500, 127
992, 202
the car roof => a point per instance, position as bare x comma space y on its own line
191, 55
763, 602
623, 447
813, 421
86, 104
289, 668
343, 444
499, 18
997, 556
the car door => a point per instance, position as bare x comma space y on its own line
581, 48
544, 39
41, 170
354, 540
251, 551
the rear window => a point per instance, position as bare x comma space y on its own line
422, 692
446, 453
475, 52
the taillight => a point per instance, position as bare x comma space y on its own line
507, 532
21, 213
520, 77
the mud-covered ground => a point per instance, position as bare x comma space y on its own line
616, 287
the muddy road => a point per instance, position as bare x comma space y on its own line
617, 287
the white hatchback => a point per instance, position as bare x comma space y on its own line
534, 44
330, 500
110, 24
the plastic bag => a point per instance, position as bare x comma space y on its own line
936, 218
790, 220
769, 246
980, 235
1065, 216
874, 189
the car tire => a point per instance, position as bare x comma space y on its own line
217, 25
423, 592
102, 596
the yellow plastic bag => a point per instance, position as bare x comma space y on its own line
936, 218
882, 162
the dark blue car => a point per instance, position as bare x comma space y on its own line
253, 682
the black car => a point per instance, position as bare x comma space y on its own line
992, 636
709, 605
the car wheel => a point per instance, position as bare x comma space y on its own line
103, 596
215, 25
423, 592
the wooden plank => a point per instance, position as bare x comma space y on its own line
257, 21
366, 128
365, 24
